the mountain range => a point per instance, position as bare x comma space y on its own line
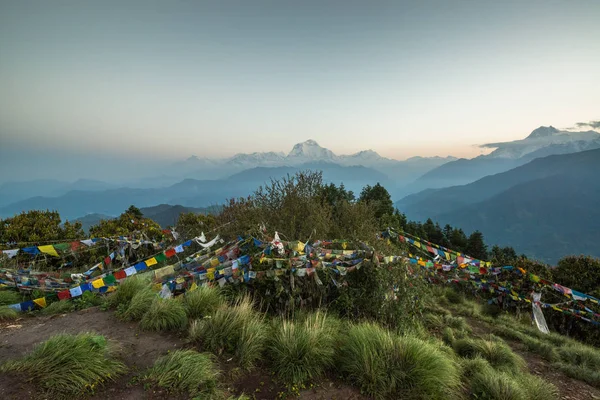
546, 208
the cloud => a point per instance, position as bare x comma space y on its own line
592, 124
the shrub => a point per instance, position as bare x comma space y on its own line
69, 364
138, 306
185, 371
202, 302
7, 314
164, 315
127, 289
58, 307
498, 354
236, 330
387, 365
302, 351
8, 297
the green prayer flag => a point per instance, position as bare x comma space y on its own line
160, 257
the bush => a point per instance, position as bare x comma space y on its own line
185, 371
302, 351
139, 305
202, 302
69, 364
127, 289
58, 307
498, 354
387, 365
236, 330
164, 315
8, 297
8, 314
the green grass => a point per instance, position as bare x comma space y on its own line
8, 297
8, 314
202, 302
584, 374
453, 296
127, 289
581, 356
139, 305
164, 315
58, 307
492, 385
386, 365
186, 371
497, 353
237, 330
536, 388
301, 351
66, 365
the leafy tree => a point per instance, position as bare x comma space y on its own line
581, 273
476, 247
128, 223
134, 211
379, 198
190, 225
503, 255
38, 226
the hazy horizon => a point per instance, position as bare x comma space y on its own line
87, 84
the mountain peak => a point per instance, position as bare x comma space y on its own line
310, 150
543, 131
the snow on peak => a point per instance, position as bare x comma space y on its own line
543, 131
310, 151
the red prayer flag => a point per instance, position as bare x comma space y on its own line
75, 245
107, 260
120, 274
170, 252
64, 295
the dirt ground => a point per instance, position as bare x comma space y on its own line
138, 350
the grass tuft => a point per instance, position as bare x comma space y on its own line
164, 315
127, 289
536, 388
58, 307
8, 297
497, 353
69, 364
387, 365
237, 330
492, 385
202, 302
302, 351
8, 314
186, 371
139, 305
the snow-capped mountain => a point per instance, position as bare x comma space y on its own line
253, 159
543, 137
310, 151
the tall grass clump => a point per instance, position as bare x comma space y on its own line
186, 371
302, 350
139, 305
453, 296
536, 388
164, 315
386, 365
127, 289
58, 307
494, 385
7, 314
580, 355
69, 364
202, 302
8, 297
237, 330
498, 354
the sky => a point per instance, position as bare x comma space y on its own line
142, 80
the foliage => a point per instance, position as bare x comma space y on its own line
302, 350
476, 247
58, 307
38, 226
386, 365
139, 305
378, 197
581, 273
8, 297
186, 371
190, 225
164, 315
237, 330
69, 364
7, 314
202, 302
131, 221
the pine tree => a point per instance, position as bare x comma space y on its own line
476, 247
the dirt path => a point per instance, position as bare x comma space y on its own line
139, 350
569, 388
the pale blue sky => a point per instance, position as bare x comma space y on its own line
170, 79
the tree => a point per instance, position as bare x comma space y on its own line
38, 226
190, 225
128, 223
458, 240
379, 198
476, 247
134, 211
581, 273
501, 256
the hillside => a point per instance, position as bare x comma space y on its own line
546, 208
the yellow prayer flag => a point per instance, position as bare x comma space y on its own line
300, 247
49, 249
150, 262
98, 283
214, 262
111, 289
344, 245
193, 287
40, 302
